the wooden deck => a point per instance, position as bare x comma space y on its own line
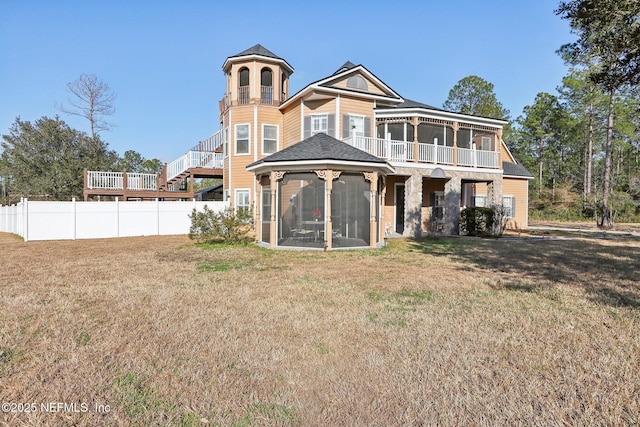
120, 185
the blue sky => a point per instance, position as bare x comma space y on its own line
164, 58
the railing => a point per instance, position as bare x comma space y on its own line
266, 95
105, 180
210, 144
403, 151
243, 95
194, 159
116, 180
142, 181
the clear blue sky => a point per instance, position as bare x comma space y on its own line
164, 58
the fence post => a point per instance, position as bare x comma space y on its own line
25, 220
74, 220
117, 217
157, 216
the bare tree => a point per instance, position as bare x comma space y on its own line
92, 99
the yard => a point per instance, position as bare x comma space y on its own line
450, 331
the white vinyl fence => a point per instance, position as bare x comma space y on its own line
94, 220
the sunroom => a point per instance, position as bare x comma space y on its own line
320, 193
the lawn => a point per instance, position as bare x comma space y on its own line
449, 331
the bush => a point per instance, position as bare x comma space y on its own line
479, 221
228, 225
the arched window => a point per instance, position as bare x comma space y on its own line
357, 82
243, 90
266, 86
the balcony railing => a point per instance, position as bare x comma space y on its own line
266, 95
243, 95
116, 181
403, 151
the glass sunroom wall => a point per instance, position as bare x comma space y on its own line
351, 211
301, 207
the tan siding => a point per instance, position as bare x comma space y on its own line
291, 122
520, 189
372, 87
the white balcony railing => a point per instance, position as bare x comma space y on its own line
194, 159
105, 180
403, 151
142, 181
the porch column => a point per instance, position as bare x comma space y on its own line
494, 192
413, 206
328, 176
455, 143
383, 198
274, 177
452, 197
258, 208
415, 139
372, 177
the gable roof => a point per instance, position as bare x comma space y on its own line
514, 169
346, 66
257, 51
325, 85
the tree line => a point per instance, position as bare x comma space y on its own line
45, 159
582, 144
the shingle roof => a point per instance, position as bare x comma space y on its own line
346, 66
514, 169
411, 104
321, 147
257, 50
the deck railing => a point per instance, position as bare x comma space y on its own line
142, 181
105, 180
116, 181
210, 144
194, 159
403, 151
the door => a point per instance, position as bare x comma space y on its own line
399, 202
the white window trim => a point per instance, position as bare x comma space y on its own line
277, 138
512, 207
363, 117
235, 140
236, 193
319, 116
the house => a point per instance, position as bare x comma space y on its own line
347, 160
343, 162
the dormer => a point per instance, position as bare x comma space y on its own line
256, 76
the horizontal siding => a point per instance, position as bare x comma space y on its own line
372, 87
520, 189
291, 120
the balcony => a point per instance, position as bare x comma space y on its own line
405, 151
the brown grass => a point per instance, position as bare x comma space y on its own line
427, 332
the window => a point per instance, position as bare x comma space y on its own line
437, 208
225, 144
480, 201
356, 125
509, 206
269, 139
485, 145
242, 199
357, 82
319, 124
242, 139
266, 86
243, 90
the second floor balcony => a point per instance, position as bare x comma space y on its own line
409, 151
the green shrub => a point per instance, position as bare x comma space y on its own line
229, 225
480, 221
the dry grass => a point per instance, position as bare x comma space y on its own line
428, 332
